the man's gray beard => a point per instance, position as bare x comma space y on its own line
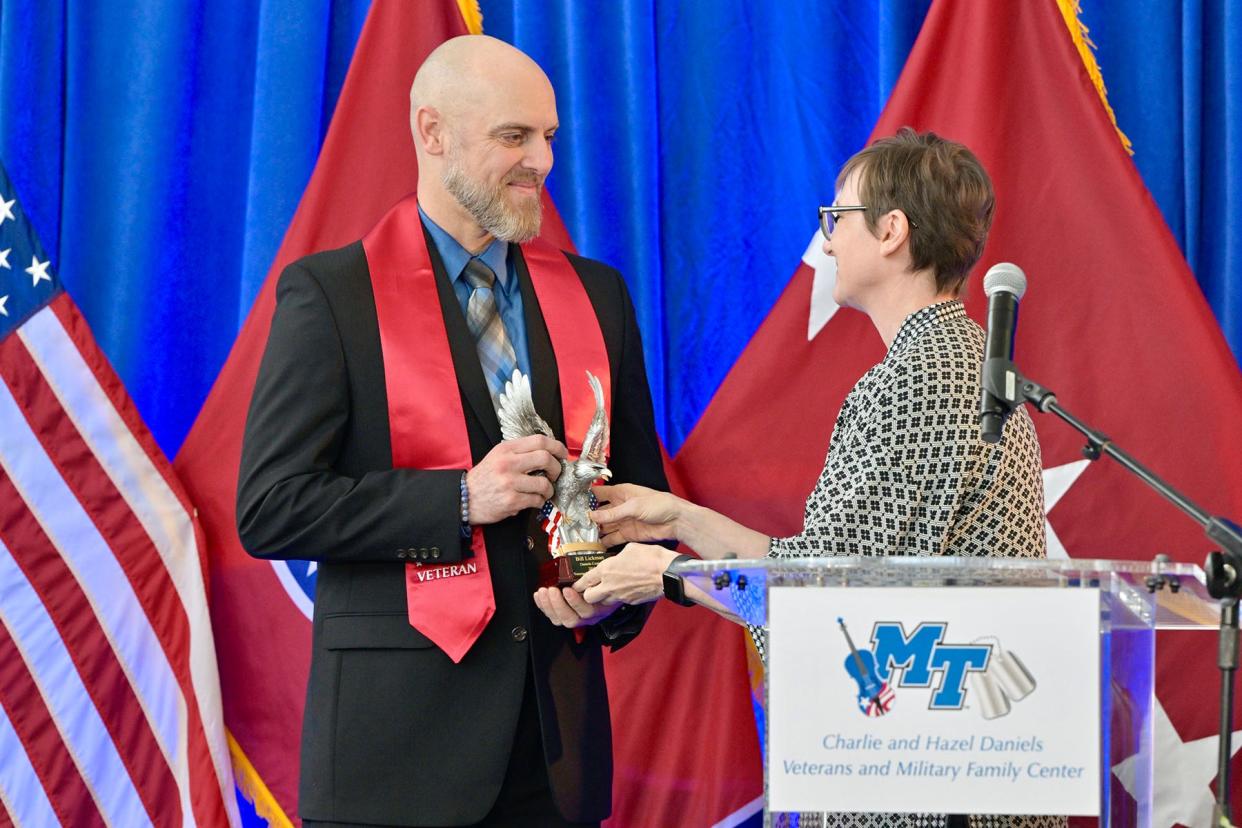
487, 206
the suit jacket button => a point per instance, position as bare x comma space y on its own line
530, 544
518, 633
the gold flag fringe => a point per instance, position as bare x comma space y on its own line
1070, 11
472, 14
254, 789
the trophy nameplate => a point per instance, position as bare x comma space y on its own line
575, 560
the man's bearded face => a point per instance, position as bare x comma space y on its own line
495, 207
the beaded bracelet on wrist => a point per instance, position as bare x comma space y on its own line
465, 508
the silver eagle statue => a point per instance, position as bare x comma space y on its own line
572, 490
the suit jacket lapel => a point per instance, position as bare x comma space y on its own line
545, 378
462, 346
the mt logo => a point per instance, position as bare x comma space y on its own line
924, 659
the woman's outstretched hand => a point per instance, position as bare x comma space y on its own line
636, 513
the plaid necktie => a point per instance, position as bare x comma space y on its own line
495, 351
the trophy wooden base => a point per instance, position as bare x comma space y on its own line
575, 560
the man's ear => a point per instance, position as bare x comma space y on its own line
429, 130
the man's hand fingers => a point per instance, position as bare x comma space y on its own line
538, 442
502, 485
575, 602
558, 450
581, 607
569, 618
530, 484
550, 465
537, 463
541, 601
560, 612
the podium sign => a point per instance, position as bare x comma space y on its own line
941, 699
1064, 696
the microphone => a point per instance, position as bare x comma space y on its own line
1004, 285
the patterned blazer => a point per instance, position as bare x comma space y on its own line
907, 474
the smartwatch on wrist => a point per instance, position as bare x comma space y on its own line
675, 585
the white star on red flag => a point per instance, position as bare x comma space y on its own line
1181, 774
1057, 481
823, 306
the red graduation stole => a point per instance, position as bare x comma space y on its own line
452, 603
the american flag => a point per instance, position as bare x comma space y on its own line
109, 696
550, 520
879, 705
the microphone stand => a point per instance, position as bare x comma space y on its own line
1223, 569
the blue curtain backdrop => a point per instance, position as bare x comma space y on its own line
698, 143
1174, 75
161, 149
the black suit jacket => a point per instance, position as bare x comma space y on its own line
394, 732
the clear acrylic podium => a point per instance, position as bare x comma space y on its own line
1136, 599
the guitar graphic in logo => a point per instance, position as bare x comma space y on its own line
875, 697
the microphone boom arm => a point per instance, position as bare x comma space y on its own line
1003, 380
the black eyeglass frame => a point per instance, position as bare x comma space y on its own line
828, 218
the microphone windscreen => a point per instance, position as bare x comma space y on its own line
1007, 277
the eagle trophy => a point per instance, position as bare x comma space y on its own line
573, 538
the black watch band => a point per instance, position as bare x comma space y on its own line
675, 585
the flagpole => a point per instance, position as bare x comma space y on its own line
1223, 569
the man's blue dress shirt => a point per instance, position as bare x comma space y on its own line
508, 293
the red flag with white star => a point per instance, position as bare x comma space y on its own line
1113, 321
